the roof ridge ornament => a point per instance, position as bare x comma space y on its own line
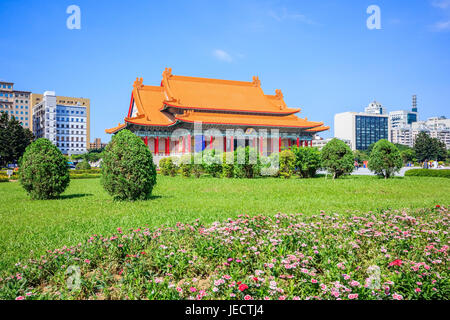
256, 82
167, 72
139, 83
278, 94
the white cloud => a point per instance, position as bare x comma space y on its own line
443, 4
442, 26
284, 14
222, 55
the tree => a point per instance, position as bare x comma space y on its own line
408, 155
287, 163
128, 171
43, 172
360, 156
385, 159
307, 161
439, 151
427, 148
337, 158
13, 139
370, 148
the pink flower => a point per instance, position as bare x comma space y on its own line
87, 261
192, 289
243, 287
396, 296
313, 280
20, 298
418, 290
353, 296
396, 262
247, 297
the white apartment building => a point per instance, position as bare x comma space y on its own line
375, 108
402, 118
64, 125
320, 143
435, 127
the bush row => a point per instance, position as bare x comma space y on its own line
89, 171
444, 173
85, 176
244, 163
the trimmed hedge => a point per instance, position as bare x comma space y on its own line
89, 171
85, 176
440, 173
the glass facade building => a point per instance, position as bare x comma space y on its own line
369, 129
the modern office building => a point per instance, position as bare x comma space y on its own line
66, 126
361, 129
16, 103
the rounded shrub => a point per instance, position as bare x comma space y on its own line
228, 166
385, 159
44, 172
287, 163
186, 165
307, 161
168, 167
247, 163
128, 171
212, 162
337, 158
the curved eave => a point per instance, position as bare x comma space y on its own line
318, 129
150, 124
251, 124
116, 129
292, 111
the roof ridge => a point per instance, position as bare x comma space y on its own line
211, 80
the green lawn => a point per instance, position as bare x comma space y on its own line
85, 209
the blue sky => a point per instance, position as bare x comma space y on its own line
319, 53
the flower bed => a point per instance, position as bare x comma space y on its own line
390, 255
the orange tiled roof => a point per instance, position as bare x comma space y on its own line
289, 121
148, 101
228, 102
221, 95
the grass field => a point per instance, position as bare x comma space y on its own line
85, 209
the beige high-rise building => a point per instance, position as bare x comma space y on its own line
16, 103
68, 101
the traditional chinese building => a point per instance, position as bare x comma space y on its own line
165, 116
